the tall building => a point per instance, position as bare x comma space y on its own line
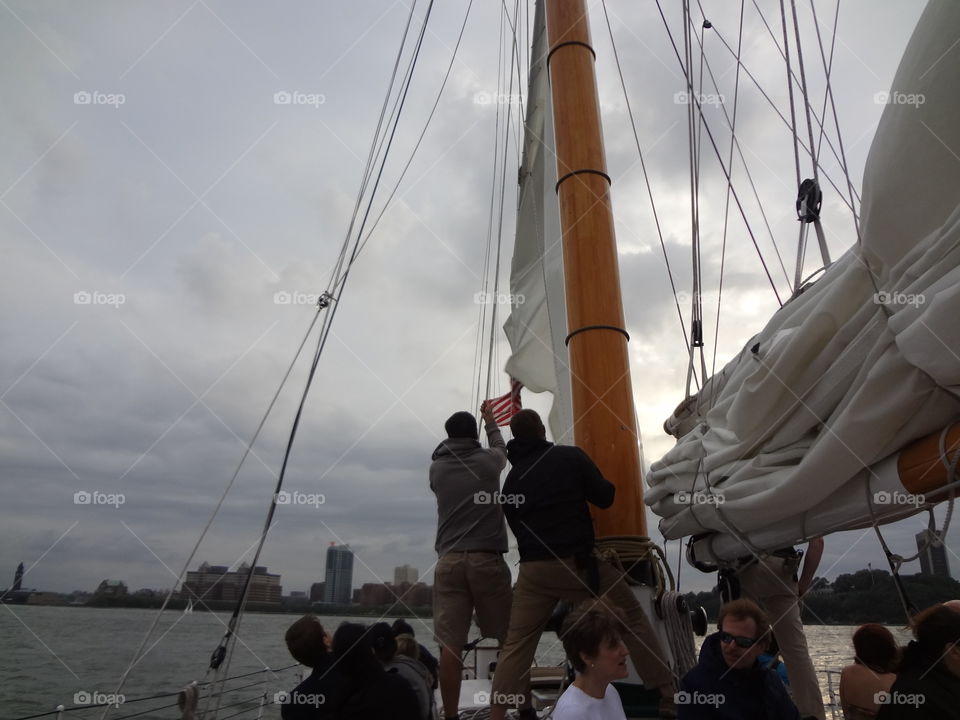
338, 585
933, 557
405, 574
17, 578
217, 582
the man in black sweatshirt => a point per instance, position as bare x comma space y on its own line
545, 500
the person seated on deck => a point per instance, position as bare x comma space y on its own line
547, 494
315, 697
402, 628
592, 637
368, 691
410, 669
928, 679
872, 671
728, 682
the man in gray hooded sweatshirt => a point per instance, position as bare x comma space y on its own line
471, 540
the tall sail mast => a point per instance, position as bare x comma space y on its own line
605, 423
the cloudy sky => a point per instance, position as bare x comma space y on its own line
157, 197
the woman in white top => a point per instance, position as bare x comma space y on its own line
592, 639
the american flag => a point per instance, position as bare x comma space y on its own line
506, 406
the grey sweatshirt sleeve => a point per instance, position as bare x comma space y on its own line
498, 448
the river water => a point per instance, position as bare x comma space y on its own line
53, 655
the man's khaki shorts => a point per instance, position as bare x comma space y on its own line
464, 581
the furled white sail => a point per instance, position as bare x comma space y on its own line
798, 435
537, 325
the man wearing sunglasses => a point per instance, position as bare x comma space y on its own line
728, 683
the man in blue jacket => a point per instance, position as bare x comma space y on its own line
729, 682
545, 501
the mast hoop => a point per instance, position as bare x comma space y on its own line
571, 42
596, 327
585, 171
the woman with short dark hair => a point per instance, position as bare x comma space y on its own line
871, 673
592, 638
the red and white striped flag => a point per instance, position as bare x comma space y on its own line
506, 406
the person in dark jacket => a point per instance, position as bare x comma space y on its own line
368, 692
729, 682
928, 679
316, 697
545, 500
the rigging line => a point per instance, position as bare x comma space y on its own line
503, 189
371, 154
696, 325
743, 160
716, 151
783, 119
137, 655
646, 177
816, 154
836, 119
698, 298
485, 283
814, 157
423, 133
228, 642
726, 208
793, 112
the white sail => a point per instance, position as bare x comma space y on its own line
800, 432
537, 326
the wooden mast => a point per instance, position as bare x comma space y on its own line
605, 423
